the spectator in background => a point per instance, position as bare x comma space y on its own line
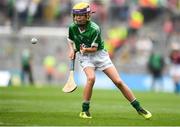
174, 6
32, 10
150, 9
100, 15
119, 9
168, 28
49, 8
21, 8
156, 67
49, 67
116, 37
135, 22
63, 11
143, 49
57, 10
6, 11
175, 66
26, 64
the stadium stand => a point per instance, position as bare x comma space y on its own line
50, 27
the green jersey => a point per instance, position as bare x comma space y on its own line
90, 37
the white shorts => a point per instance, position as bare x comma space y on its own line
99, 60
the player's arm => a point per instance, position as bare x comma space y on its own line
94, 45
88, 50
71, 51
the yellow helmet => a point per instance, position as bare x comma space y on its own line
81, 8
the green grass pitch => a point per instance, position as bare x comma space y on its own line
49, 106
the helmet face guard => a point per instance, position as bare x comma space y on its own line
81, 9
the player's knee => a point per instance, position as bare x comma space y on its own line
91, 78
118, 82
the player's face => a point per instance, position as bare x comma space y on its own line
80, 19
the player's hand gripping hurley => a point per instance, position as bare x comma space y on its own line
70, 85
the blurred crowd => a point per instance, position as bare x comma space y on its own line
131, 28
120, 19
57, 12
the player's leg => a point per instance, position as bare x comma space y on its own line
90, 75
31, 80
112, 73
23, 73
153, 81
176, 79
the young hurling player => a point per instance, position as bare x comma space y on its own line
86, 36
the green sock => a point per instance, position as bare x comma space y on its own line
136, 105
85, 106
